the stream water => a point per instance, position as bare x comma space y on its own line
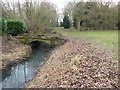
18, 75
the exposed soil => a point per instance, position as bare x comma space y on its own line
12, 51
78, 64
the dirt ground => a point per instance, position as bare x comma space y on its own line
12, 51
78, 64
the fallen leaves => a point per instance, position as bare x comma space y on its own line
78, 65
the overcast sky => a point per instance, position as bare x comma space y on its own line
60, 3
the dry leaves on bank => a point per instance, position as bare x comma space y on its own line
78, 65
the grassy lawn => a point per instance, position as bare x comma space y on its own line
108, 38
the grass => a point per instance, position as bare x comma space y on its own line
115, 58
112, 68
108, 38
98, 61
93, 69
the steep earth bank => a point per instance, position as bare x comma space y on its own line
12, 51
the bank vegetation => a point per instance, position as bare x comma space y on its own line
13, 52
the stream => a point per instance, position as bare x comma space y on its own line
18, 75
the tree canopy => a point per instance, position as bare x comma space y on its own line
38, 16
93, 15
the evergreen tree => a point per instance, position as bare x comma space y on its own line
66, 22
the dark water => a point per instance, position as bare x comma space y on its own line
18, 75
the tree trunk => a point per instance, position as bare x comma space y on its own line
78, 25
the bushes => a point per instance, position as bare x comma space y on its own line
3, 25
12, 27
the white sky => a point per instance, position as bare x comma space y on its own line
59, 3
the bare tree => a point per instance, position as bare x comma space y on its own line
38, 16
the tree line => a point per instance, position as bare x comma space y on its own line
38, 16
91, 15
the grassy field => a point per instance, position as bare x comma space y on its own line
108, 38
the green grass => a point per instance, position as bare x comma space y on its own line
108, 38
112, 68
93, 69
58, 29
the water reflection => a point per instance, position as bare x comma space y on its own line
18, 75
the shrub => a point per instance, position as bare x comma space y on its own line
0, 26
12, 27
15, 26
3, 26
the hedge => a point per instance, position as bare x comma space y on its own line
12, 27
3, 25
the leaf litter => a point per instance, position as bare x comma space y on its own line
78, 64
